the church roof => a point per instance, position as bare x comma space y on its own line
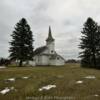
57, 55
52, 56
39, 50
50, 38
61, 57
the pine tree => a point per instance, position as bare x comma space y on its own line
89, 44
22, 42
98, 48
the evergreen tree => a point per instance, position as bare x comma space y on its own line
98, 48
22, 42
89, 44
4, 61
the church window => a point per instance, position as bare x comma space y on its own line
57, 58
52, 51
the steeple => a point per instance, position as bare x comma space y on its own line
50, 38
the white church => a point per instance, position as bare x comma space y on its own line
46, 55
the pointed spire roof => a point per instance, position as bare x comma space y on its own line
50, 38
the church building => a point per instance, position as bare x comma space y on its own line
46, 55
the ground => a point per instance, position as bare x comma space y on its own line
72, 83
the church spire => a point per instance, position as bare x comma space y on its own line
49, 30
50, 38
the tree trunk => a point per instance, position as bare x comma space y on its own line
20, 63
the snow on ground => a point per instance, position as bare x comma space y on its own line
11, 79
6, 90
25, 77
1, 67
96, 95
48, 87
90, 77
87, 77
79, 82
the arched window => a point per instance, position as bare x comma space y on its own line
51, 51
57, 58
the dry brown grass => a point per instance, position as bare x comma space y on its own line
64, 77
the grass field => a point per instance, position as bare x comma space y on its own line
64, 77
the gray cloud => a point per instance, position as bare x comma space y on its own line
66, 18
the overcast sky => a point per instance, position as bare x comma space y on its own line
66, 18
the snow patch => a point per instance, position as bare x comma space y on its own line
90, 77
96, 95
11, 79
25, 77
48, 87
79, 82
6, 90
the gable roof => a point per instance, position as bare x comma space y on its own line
55, 55
61, 57
39, 50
